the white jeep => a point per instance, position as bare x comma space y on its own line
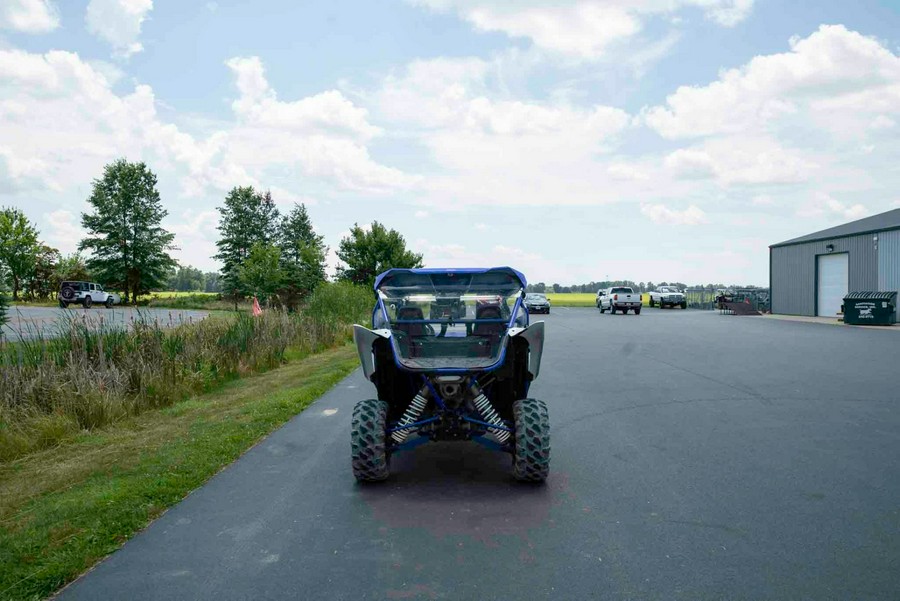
86, 294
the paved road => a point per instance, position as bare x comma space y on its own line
695, 456
30, 322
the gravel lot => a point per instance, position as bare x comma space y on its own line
29, 322
695, 456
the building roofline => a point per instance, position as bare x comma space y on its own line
890, 221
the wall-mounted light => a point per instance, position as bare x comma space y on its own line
829, 248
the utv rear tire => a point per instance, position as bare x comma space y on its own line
367, 441
531, 462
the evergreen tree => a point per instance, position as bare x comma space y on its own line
248, 217
302, 255
368, 253
124, 234
19, 247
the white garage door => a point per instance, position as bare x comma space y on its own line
833, 277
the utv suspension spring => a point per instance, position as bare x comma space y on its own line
487, 411
412, 413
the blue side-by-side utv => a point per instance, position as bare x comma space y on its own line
452, 356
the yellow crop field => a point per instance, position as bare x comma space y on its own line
581, 299
571, 299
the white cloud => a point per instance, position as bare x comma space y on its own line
882, 122
826, 80
118, 22
659, 213
628, 172
499, 150
64, 231
422, 214
744, 160
825, 205
582, 29
29, 16
690, 163
258, 105
763, 200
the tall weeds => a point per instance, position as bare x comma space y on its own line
89, 374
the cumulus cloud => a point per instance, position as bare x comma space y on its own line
64, 230
29, 16
660, 213
832, 73
582, 29
498, 149
62, 120
824, 205
118, 22
625, 171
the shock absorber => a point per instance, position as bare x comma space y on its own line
412, 413
487, 411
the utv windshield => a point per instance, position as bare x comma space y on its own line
453, 319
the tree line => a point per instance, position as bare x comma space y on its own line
593, 287
276, 257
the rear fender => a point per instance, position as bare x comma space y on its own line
364, 339
534, 336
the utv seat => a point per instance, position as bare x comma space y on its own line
411, 329
491, 331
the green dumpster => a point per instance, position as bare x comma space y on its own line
870, 308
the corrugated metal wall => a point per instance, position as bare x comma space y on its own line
889, 262
794, 271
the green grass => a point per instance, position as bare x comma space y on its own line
64, 509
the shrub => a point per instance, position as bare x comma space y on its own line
91, 374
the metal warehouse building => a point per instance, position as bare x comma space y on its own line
811, 275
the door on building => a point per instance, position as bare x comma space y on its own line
833, 281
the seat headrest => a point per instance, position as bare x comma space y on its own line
488, 312
410, 313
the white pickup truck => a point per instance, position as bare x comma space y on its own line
618, 298
667, 295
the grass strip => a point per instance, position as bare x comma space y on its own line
64, 509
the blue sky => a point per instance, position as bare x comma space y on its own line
574, 139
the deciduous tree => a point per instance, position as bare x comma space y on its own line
366, 253
18, 247
128, 244
260, 274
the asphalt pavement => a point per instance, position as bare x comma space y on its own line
30, 322
695, 456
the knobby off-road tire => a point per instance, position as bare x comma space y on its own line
367, 441
531, 462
